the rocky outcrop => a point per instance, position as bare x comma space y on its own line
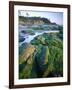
27, 53
42, 58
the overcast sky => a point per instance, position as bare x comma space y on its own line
56, 17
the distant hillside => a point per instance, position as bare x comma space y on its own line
34, 20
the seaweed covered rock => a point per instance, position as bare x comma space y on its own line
43, 57
49, 56
26, 62
26, 54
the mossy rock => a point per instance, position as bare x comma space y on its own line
27, 53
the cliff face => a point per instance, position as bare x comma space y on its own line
33, 20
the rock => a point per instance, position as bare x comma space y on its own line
27, 53
21, 39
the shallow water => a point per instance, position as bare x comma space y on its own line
28, 38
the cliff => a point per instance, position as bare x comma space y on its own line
33, 21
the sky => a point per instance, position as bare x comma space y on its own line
56, 17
